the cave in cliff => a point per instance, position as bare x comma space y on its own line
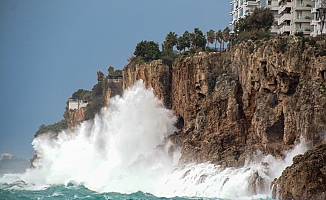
180, 123
275, 132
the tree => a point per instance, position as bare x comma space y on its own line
111, 70
100, 76
211, 36
260, 18
147, 50
226, 35
241, 25
181, 43
117, 72
218, 37
198, 39
186, 39
81, 95
171, 40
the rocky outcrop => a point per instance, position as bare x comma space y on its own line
74, 117
256, 96
305, 178
155, 75
111, 88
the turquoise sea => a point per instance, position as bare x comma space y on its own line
71, 191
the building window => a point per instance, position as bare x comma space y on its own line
299, 14
269, 2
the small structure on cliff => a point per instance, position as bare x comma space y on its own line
114, 78
76, 104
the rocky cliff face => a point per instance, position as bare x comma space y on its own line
305, 178
74, 117
256, 96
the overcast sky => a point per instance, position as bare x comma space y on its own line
50, 49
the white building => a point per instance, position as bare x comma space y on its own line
318, 11
241, 8
291, 16
76, 104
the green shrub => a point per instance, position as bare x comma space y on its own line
52, 128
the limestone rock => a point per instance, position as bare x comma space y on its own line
305, 178
256, 96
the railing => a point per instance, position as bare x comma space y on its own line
304, 17
284, 6
303, 30
304, 5
283, 29
251, 2
283, 18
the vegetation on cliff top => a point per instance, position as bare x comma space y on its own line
255, 26
52, 128
95, 99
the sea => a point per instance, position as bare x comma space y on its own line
124, 153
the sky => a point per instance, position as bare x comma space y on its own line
50, 49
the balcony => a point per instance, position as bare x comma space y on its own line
251, 3
284, 6
303, 19
283, 29
304, 6
305, 31
283, 18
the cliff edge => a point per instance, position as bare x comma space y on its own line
262, 95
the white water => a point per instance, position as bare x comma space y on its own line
117, 153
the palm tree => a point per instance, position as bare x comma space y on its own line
210, 36
186, 39
226, 35
181, 43
198, 39
218, 37
171, 40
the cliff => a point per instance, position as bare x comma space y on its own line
261, 95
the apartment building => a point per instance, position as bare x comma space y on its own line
291, 16
319, 12
241, 8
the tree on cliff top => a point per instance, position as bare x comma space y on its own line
171, 40
260, 18
198, 39
147, 50
255, 26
